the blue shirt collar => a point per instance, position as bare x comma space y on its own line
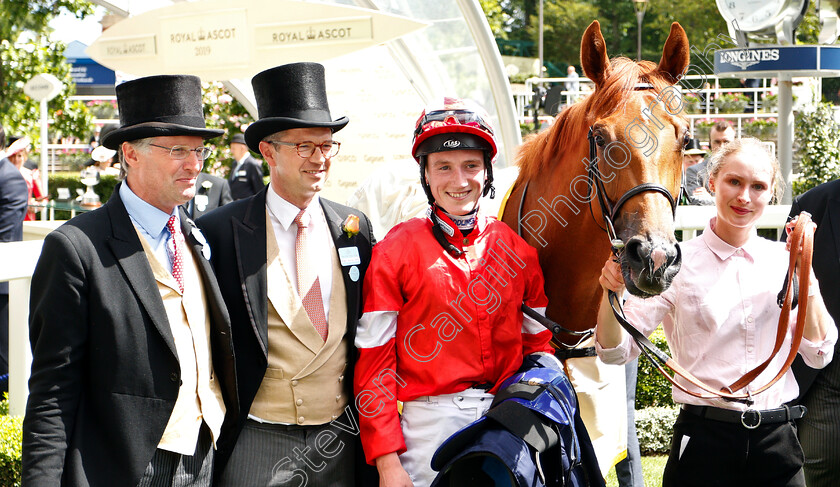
151, 220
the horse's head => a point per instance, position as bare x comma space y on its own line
638, 131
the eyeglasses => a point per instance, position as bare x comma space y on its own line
181, 151
306, 149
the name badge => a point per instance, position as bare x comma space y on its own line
242, 174
201, 201
349, 256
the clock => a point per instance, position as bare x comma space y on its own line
761, 15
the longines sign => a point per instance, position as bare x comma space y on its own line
768, 61
220, 40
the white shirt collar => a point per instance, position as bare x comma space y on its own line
284, 211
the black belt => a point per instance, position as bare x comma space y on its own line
750, 418
484, 386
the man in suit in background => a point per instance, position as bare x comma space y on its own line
819, 429
246, 175
291, 266
695, 187
211, 192
132, 362
13, 200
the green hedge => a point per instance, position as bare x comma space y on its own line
72, 181
11, 437
651, 388
654, 428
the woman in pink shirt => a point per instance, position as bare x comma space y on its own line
720, 318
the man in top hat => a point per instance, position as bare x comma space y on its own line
246, 175
132, 362
692, 154
291, 266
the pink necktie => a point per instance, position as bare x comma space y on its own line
309, 286
174, 245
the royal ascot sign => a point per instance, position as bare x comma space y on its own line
769, 61
217, 41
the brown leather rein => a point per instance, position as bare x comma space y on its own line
802, 244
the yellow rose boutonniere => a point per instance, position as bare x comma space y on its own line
350, 226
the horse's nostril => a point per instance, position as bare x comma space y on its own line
634, 250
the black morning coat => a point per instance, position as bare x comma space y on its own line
105, 373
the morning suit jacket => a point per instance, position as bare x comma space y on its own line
248, 180
105, 372
218, 194
823, 203
14, 196
237, 235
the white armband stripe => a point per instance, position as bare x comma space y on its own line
531, 326
376, 328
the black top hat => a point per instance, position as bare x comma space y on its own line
159, 106
693, 147
290, 96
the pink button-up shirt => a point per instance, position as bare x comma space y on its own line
720, 318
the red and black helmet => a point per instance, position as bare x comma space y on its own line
455, 125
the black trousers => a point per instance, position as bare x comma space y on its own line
707, 453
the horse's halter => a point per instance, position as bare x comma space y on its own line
609, 210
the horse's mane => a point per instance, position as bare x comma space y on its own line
572, 124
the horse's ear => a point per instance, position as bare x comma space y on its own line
593, 54
675, 55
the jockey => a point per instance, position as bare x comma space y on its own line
442, 325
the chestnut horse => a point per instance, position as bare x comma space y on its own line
616, 153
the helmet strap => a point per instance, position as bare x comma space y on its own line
423, 182
488, 180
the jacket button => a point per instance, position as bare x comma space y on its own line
300, 420
299, 402
173, 376
294, 383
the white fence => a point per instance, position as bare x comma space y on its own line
18, 259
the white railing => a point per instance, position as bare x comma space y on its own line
18, 259
525, 114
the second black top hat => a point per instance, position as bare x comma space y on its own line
290, 96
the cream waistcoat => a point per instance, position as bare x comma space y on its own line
199, 396
304, 381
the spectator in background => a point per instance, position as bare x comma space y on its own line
246, 174
693, 154
572, 85
211, 192
17, 153
696, 190
13, 199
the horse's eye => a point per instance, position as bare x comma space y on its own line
686, 140
599, 140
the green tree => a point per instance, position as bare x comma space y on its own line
25, 51
819, 157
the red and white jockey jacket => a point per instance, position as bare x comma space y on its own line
435, 324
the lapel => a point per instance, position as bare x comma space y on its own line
250, 249
334, 221
128, 251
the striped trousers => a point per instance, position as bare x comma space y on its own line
169, 469
819, 430
278, 455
